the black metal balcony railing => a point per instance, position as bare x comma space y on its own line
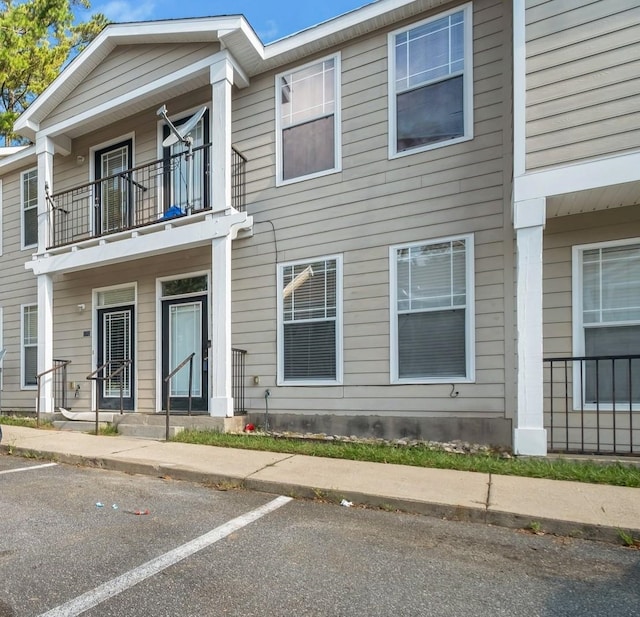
592, 404
138, 197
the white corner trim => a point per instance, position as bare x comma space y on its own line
519, 89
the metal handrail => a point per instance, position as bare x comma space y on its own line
64, 364
92, 376
167, 379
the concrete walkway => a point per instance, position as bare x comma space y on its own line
568, 508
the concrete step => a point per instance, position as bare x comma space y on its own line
147, 431
76, 425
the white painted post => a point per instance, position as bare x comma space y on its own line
45, 151
530, 437
221, 75
221, 396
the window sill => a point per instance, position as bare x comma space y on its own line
441, 144
319, 174
307, 382
447, 381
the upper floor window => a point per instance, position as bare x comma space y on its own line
308, 120
29, 200
432, 311
430, 83
310, 322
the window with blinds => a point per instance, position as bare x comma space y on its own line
432, 311
310, 322
29, 345
611, 320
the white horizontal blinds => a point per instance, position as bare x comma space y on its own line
115, 190
307, 117
309, 297
30, 207
116, 345
30, 344
611, 320
429, 68
431, 310
116, 297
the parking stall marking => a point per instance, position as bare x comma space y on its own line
127, 580
28, 468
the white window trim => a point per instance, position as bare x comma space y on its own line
23, 385
470, 338
467, 9
280, 381
337, 127
24, 246
578, 345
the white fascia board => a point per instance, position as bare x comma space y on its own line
20, 158
578, 177
205, 29
139, 245
332, 26
132, 95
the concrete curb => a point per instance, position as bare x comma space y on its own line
483, 513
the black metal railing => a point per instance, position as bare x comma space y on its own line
238, 380
238, 180
110, 375
167, 380
592, 404
137, 197
59, 370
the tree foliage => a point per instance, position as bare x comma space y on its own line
37, 37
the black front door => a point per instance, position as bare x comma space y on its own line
184, 331
115, 345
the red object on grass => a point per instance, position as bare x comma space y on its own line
249, 427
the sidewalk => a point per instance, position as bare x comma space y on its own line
589, 511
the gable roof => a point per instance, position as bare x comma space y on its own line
233, 32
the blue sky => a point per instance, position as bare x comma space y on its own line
271, 19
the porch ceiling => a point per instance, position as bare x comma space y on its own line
601, 198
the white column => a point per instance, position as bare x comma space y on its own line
45, 150
221, 399
530, 437
221, 77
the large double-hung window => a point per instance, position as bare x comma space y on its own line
432, 311
430, 83
308, 120
607, 322
310, 322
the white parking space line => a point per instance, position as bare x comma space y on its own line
123, 582
28, 468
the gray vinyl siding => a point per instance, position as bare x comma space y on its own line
17, 287
583, 84
371, 204
127, 67
70, 324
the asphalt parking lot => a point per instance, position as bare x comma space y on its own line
71, 543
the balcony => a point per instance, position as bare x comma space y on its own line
139, 197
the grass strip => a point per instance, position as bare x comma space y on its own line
616, 474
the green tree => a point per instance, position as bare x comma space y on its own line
37, 37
